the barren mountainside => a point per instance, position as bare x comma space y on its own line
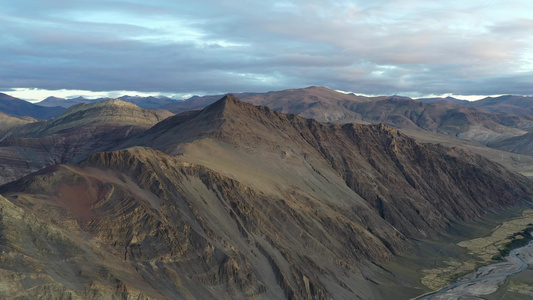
377, 162
241, 202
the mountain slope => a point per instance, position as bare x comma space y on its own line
188, 231
244, 202
78, 132
66, 103
283, 146
7, 122
520, 144
20, 108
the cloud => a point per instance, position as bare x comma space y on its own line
378, 47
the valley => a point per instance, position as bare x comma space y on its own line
487, 254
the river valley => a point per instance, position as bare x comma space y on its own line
487, 279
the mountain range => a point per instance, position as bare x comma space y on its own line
233, 201
493, 122
498, 122
149, 102
81, 130
19, 108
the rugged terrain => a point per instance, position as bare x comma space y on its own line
78, 132
389, 165
236, 202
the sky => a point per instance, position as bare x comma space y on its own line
182, 48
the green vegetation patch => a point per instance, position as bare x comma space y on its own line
518, 239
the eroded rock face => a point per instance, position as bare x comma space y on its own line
187, 230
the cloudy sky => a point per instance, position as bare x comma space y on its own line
176, 47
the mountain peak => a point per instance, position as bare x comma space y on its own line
230, 99
227, 105
53, 98
98, 105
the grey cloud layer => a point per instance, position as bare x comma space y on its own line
378, 47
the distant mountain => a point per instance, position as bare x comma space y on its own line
517, 105
149, 102
450, 99
78, 132
444, 117
241, 202
20, 108
199, 102
508, 104
143, 102
66, 103
318, 103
